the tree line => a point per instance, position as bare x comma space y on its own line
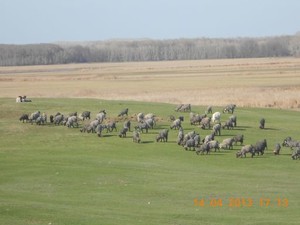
149, 50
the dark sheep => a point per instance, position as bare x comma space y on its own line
260, 146
123, 132
296, 154
142, 127
24, 117
86, 115
127, 124
190, 144
203, 148
277, 149
58, 119
209, 110
262, 123
233, 119
51, 119
228, 124
123, 112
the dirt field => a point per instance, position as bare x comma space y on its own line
272, 82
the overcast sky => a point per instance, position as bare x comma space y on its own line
44, 21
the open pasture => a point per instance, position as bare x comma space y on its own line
57, 175
268, 82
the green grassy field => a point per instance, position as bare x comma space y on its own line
57, 175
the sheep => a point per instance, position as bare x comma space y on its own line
123, 132
277, 149
197, 119
127, 124
229, 108
162, 135
101, 116
244, 150
111, 126
99, 129
260, 146
180, 136
140, 117
86, 115
213, 144
216, 117
228, 124
24, 117
190, 144
176, 124
123, 112
233, 120
197, 140
209, 110
205, 123
94, 124
142, 127
58, 119
150, 122
208, 138
288, 142
227, 143
296, 154
181, 118
262, 123
72, 120
136, 137
34, 116
183, 108
203, 148
51, 119
42, 119
239, 138
217, 129
86, 128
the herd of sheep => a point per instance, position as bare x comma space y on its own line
189, 141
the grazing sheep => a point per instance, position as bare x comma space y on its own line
99, 129
101, 116
86, 115
86, 128
205, 123
51, 119
140, 117
123, 112
217, 129
246, 149
208, 138
183, 108
176, 124
229, 108
262, 123
34, 116
239, 138
277, 149
296, 154
150, 122
197, 140
162, 135
42, 119
197, 119
228, 124
136, 137
24, 117
213, 145
233, 119
127, 124
123, 132
111, 126
216, 117
58, 119
72, 120
260, 146
94, 124
190, 144
288, 142
209, 110
142, 127
180, 136
227, 143
203, 148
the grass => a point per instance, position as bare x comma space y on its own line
56, 175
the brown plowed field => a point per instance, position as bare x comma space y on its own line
270, 82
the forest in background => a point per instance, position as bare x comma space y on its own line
149, 50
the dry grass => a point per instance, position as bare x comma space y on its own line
272, 82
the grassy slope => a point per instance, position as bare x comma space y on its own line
60, 176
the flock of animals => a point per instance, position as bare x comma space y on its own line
189, 141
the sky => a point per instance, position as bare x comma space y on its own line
48, 21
